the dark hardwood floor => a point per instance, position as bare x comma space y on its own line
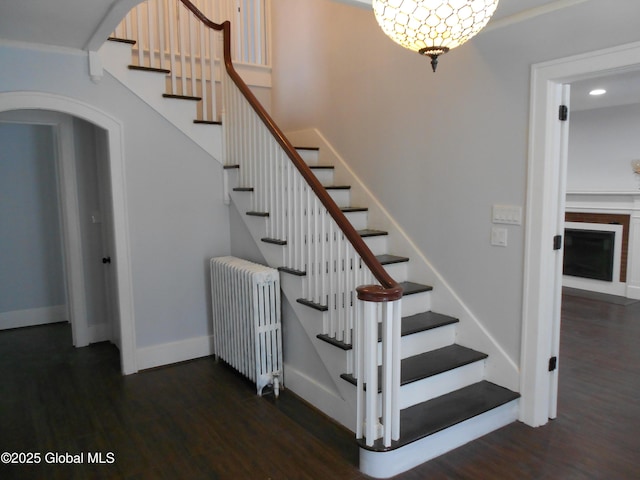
199, 419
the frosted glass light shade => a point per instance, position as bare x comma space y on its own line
432, 27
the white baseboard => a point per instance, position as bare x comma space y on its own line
100, 333
33, 316
174, 352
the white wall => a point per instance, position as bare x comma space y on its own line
438, 150
173, 191
31, 267
602, 144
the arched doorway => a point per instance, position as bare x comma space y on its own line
123, 313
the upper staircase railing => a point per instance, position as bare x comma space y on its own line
319, 243
169, 38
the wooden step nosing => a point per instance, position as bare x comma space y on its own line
316, 306
336, 343
337, 187
243, 189
122, 40
142, 68
207, 122
274, 241
181, 97
257, 214
412, 288
353, 209
292, 271
366, 233
387, 259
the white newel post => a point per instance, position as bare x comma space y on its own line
378, 414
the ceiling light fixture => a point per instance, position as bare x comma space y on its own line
432, 27
597, 91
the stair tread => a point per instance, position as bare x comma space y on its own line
417, 323
258, 214
122, 40
369, 232
322, 167
337, 187
243, 189
353, 209
387, 259
315, 306
437, 361
308, 148
435, 415
274, 241
431, 363
181, 97
410, 288
207, 122
425, 321
292, 271
149, 69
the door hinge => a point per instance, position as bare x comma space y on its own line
563, 113
557, 242
553, 363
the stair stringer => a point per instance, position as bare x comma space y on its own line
500, 367
337, 399
116, 57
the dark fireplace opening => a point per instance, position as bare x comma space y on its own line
588, 254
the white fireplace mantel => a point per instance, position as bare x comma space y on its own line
626, 202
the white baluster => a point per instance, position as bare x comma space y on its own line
172, 17
371, 370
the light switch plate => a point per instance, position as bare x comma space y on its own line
507, 214
499, 236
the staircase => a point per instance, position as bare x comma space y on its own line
445, 397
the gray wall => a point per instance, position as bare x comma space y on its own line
177, 219
602, 143
31, 262
438, 150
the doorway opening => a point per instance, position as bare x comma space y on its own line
546, 195
65, 115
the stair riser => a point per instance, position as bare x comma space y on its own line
378, 245
416, 303
309, 156
432, 387
397, 271
324, 175
357, 219
342, 197
428, 340
421, 342
388, 464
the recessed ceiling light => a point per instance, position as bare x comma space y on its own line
597, 91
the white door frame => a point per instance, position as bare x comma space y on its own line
122, 263
545, 206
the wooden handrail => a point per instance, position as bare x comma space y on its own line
388, 290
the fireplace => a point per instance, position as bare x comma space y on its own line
589, 253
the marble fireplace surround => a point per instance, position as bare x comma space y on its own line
606, 208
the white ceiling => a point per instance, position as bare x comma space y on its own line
73, 23
622, 89
81, 24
